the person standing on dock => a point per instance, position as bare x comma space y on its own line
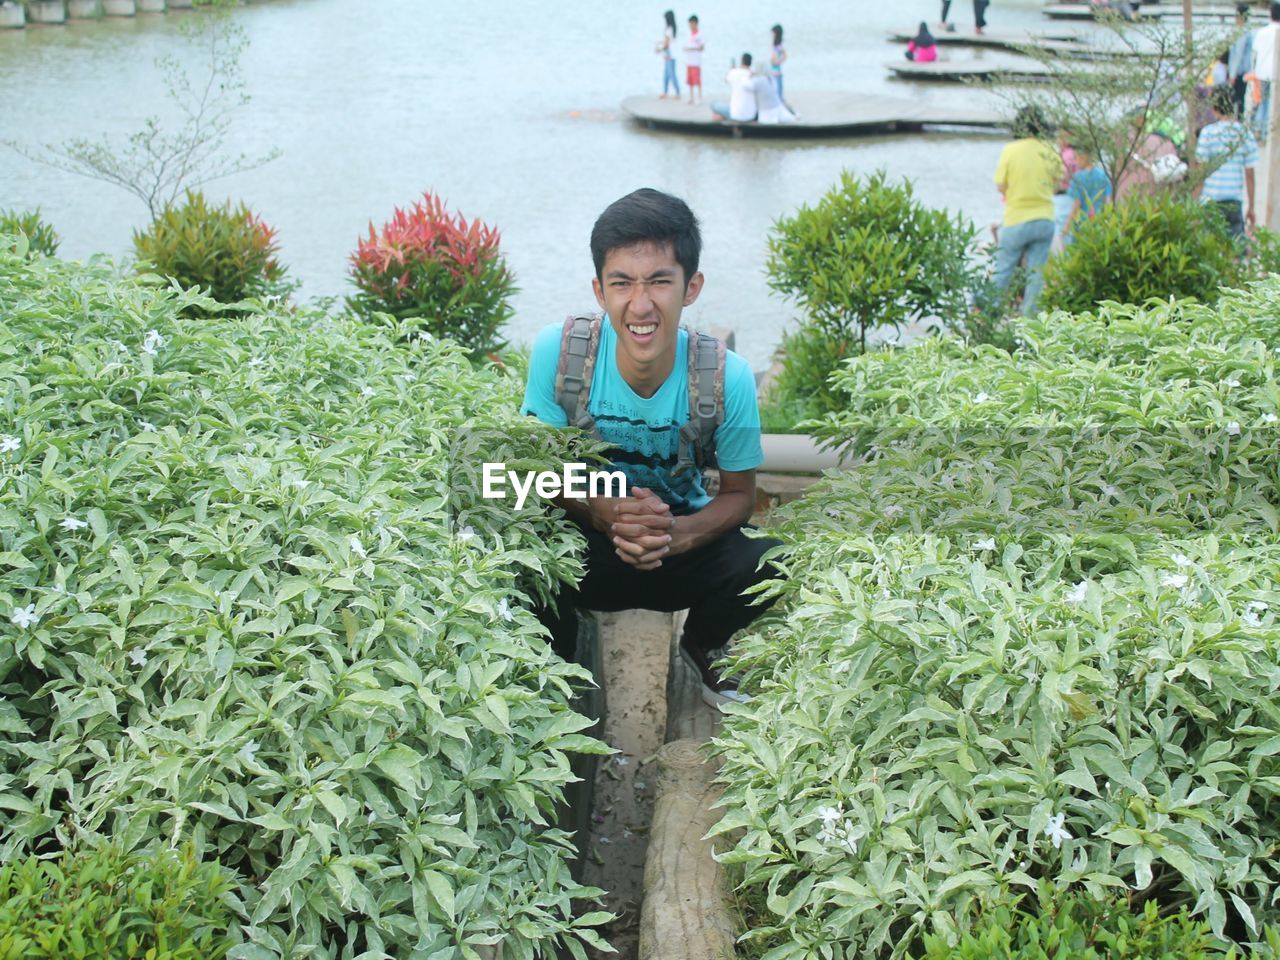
979, 16
1264, 68
1240, 60
667, 544
777, 57
669, 79
1026, 174
693, 48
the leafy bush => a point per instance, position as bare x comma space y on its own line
438, 269
1032, 640
1265, 259
1166, 246
41, 238
102, 904
1078, 928
226, 251
867, 255
253, 600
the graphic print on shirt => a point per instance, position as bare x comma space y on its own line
647, 454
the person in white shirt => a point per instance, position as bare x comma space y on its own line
769, 107
1264, 68
742, 93
693, 48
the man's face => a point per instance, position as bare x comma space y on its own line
643, 291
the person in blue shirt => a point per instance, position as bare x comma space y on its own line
1089, 190
1229, 147
668, 544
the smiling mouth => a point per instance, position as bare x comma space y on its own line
642, 329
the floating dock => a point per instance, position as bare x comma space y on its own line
1086, 11
959, 71
992, 39
818, 114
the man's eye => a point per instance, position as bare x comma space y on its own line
661, 282
620, 284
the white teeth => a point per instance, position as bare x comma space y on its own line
645, 330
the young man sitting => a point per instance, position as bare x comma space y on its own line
667, 545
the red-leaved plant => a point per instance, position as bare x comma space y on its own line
436, 267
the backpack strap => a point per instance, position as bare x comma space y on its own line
706, 403
579, 344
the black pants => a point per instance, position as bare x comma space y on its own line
1239, 90
708, 581
1233, 213
979, 12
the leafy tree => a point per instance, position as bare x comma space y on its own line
157, 164
867, 254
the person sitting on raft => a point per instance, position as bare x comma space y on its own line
742, 96
923, 48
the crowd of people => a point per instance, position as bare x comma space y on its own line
755, 89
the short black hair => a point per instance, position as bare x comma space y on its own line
1222, 101
648, 216
693, 18
746, 59
1242, 10
1030, 122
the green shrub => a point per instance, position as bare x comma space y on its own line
1078, 927
102, 904
1166, 246
252, 599
226, 251
1265, 258
867, 255
439, 269
41, 238
1033, 639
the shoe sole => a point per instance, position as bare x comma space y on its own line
712, 698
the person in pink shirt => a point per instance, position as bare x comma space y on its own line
922, 48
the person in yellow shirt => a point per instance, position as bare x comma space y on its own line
1026, 174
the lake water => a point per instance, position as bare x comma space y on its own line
510, 111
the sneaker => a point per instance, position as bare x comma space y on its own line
717, 687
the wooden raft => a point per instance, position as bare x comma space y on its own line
819, 114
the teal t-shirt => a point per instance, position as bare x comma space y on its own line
643, 433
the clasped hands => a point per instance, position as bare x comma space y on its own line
641, 526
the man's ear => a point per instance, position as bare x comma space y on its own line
693, 288
598, 291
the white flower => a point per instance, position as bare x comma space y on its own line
1254, 610
892, 510
147, 426
1109, 491
1233, 429
1055, 830
248, 753
358, 548
1233, 382
1176, 580
504, 610
372, 816
1077, 593
1270, 418
301, 484
1181, 561
465, 534
256, 362
368, 391
152, 342
138, 657
988, 544
981, 398
72, 523
24, 617
9, 444
831, 815
119, 346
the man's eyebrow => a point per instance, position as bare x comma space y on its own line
658, 274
